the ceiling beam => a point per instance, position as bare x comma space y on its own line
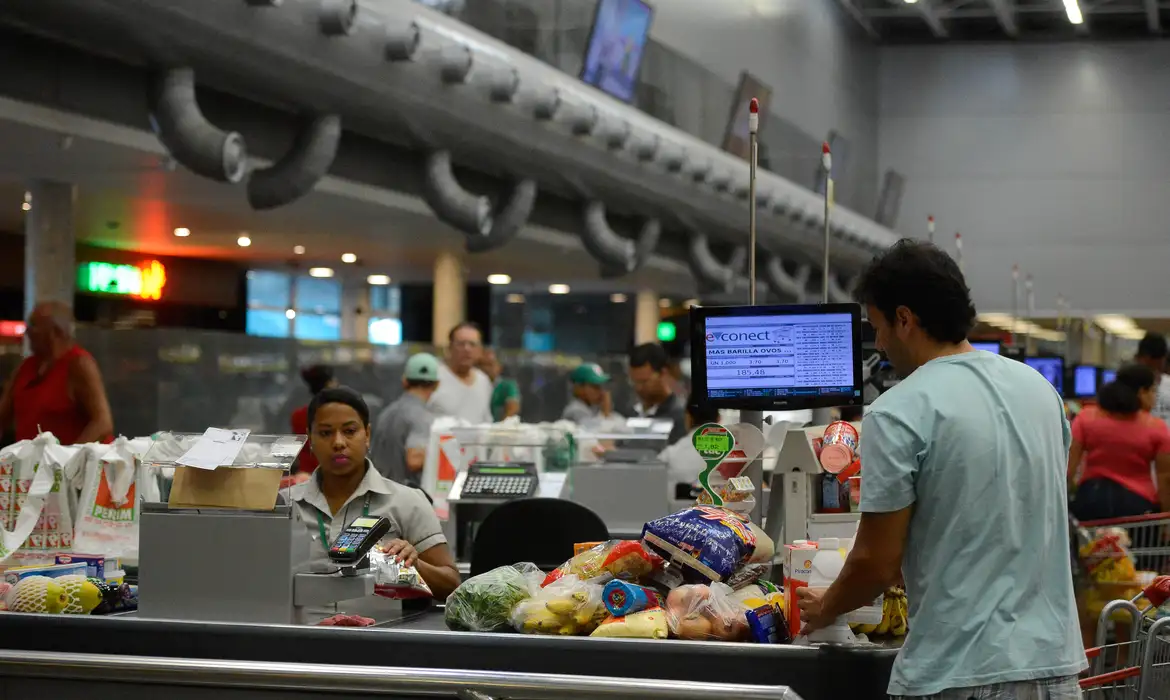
1006, 14
928, 12
1153, 18
858, 16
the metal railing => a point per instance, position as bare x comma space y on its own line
373, 680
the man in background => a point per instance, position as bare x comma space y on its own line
591, 400
505, 401
1151, 352
653, 385
398, 446
58, 388
464, 390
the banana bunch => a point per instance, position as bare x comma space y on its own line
575, 614
895, 615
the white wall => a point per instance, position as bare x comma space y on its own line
1056, 157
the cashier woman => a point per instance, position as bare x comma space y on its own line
346, 485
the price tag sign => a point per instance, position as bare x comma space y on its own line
713, 442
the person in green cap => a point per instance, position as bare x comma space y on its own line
505, 401
591, 400
398, 446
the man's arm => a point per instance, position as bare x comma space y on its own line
874, 565
90, 392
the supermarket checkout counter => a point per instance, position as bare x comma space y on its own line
75, 657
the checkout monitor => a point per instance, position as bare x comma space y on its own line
1085, 381
777, 358
1108, 375
1051, 367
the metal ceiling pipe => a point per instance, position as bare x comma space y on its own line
337, 17
720, 180
644, 247
602, 242
456, 64
508, 219
788, 287
194, 142
503, 84
674, 157
615, 131
706, 267
546, 105
470, 213
646, 146
298, 170
402, 42
700, 170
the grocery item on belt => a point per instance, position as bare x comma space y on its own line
838, 446
708, 543
624, 559
83, 593
707, 612
395, 580
37, 594
623, 598
567, 606
346, 621
484, 603
646, 624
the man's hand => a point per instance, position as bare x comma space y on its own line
809, 601
403, 550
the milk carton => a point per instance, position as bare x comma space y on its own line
798, 561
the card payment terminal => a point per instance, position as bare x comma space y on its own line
501, 480
357, 539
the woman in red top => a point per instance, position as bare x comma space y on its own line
58, 389
319, 378
1114, 445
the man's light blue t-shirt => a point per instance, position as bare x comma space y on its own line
978, 445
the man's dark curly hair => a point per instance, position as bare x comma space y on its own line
925, 280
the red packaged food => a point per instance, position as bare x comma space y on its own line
624, 559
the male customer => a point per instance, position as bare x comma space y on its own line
464, 390
398, 446
58, 388
652, 383
1152, 352
591, 399
965, 496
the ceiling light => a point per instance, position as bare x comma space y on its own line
243, 241
182, 232
28, 197
320, 272
618, 298
664, 303
1073, 10
348, 258
25, 206
290, 314
515, 298
499, 279
911, 2
1115, 323
298, 250
378, 279
558, 289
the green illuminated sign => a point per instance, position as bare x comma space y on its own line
667, 331
144, 281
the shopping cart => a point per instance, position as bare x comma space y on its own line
1114, 561
1146, 678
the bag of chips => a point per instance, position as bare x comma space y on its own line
708, 543
627, 560
395, 580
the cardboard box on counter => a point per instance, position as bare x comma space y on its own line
239, 488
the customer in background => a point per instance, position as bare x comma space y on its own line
398, 447
464, 390
505, 400
964, 493
591, 400
654, 388
1114, 444
318, 378
1152, 352
58, 388
683, 462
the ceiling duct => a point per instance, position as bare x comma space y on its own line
700, 170
707, 269
297, 172
402, 42
720, 180
509, 219
504, 82
546, 105
194, 142
615, 131
617, 255
470, 213
337, 17
674, 157
788, 287
838, 293
456, 64
645, 146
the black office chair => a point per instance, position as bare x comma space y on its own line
538, 530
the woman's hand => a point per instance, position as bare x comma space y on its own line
403, 550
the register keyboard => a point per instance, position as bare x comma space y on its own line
500, 481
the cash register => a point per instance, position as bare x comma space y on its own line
479, 489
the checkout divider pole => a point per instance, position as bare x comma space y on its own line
755, 469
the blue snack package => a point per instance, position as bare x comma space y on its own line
767, 625
708, 543
624, 598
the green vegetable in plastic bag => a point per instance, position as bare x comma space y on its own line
484, 603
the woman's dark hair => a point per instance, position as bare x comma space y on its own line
340, 394
317, 377
701, 413
1121, 395
925, 280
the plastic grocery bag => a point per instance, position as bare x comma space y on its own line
35, 517
567, 606
624, 559
108, 510
484, 603
395, 580
707, 612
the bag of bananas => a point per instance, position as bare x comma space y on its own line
895, 616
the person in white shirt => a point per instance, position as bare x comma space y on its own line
1152, 351
464, 390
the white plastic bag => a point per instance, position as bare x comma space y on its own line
108, 511
35, 514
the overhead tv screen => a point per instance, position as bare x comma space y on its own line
777, 357
614, 52
1051, 368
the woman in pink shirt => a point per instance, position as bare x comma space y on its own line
1114, 444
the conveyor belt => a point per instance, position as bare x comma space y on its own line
814, 673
